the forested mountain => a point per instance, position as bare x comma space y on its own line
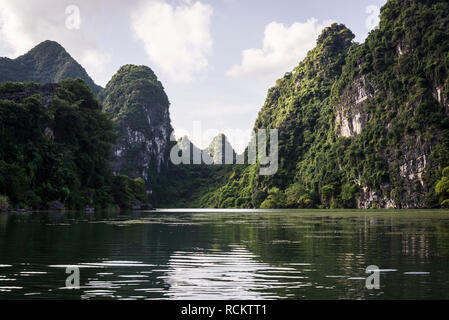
137, 102
361, 125
194, 173
48, 62
136, 108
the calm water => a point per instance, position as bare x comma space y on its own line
194, 254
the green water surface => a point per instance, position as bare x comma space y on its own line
225, 254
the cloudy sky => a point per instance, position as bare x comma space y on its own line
215, 58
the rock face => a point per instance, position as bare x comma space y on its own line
137, 102
48, 62
403, 127
350, 115
188, 152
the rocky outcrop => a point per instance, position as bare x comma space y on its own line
140, 107
442, 97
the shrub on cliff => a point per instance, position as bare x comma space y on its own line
442, 188
276, 199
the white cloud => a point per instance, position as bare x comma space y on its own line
95, 60
283, 48
176, 38
24, 24
12, 38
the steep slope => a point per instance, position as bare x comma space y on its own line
55, 146
184, 185
391, 108
138, 104
292, 106
48, 62
360, 125
221, 151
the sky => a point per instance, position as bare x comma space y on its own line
216, 58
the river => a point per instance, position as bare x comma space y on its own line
225, 254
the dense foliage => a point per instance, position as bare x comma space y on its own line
442, 188
48, 62
137, 102
55, 145
394, 86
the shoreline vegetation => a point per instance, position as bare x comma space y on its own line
361, 125
155, 211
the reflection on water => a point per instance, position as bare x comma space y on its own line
236, 273
225, 254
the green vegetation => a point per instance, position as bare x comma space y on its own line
137, 102
237, 189
48, 62
294, 106
126, 190
442, 188
393, 87
56, 145
275, 200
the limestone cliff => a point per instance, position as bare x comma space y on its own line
137, 102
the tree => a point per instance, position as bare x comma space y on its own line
297, 196
442, 188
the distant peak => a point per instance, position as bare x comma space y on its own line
48, 44
336, 33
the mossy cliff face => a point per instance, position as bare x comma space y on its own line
140, 108
391, 107
360, 125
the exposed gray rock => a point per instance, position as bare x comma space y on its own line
350, 116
